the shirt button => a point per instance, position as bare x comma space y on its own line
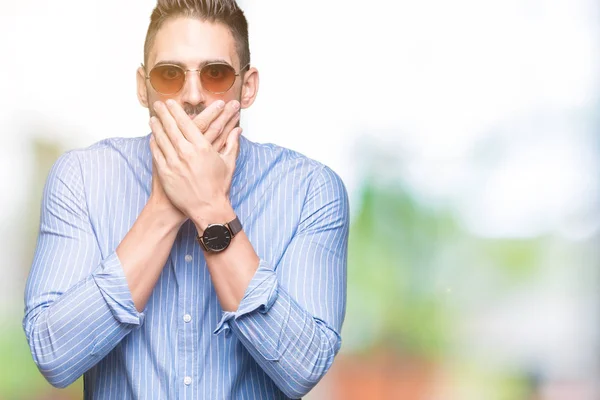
188, 258
187, 318
187, 380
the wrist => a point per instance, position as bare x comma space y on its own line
164, 216
218, 213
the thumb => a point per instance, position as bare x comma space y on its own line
156, 186
232, 146
154, 170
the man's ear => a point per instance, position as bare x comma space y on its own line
142, 89
249, 88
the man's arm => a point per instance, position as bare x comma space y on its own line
289, 316
152, 235
79, 307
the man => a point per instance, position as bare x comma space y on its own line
189, 263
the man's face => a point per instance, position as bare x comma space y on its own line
191, 43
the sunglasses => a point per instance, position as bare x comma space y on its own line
216, 78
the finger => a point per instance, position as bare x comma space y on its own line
220, 141
185, 124
206, 117
169, 125
162, 140
232, 146
216, 128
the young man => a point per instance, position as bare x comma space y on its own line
190, 263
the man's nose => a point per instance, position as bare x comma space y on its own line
192, 92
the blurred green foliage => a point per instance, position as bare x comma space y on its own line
19, 376
392, 299
413, 269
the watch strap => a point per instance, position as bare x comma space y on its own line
201, 242
235, 226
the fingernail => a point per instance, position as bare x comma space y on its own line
220, 103
171, 102
236, 105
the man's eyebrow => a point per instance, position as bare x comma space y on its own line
182, 65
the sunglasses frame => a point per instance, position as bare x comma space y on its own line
185, 71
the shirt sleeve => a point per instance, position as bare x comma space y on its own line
78, 306
290, 317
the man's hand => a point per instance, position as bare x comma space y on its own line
195, 177
158, 198
217, 121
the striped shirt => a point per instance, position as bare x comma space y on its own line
80, 318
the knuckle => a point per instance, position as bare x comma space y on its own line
187, 152
178, 143
211, 135
219, 126
202, 125
204, 146
173, 163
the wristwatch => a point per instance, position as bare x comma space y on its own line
217, 237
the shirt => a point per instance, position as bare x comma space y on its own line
80, 317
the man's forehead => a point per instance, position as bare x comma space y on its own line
192, 42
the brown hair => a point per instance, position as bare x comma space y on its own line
226, 12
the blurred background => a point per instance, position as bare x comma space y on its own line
466, 131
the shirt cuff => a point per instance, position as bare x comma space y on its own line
110, 279
260, 295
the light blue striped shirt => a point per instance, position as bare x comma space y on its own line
80, 317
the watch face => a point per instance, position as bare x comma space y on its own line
216, 237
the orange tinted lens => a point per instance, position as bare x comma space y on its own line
217, 78
167, 79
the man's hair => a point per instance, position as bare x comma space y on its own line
225, 12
